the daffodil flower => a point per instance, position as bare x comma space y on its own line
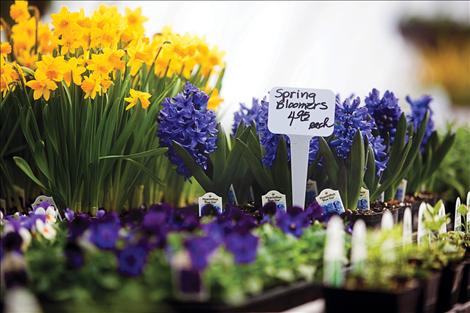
136, 96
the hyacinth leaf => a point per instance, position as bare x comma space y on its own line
356, 170
196, 170
24, 166
331, 164
440, 153
417, 139
370, 177
262, 177
280, 168
219, 156
148, 153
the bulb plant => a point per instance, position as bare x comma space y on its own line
86, 92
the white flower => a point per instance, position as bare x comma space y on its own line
45, 229
50, 213
26, 236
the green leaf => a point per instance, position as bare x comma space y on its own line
331, 165
356, 170
24, 166
143, 154
196, 170
144, 169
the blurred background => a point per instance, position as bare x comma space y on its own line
348, 47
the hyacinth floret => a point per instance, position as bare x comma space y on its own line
385, 111
351, 117
419, 107
258, 114
186, 120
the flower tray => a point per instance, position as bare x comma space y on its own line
274, 300
465, 286
428, 294
449, 286
340, 300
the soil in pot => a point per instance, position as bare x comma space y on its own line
428, 293
449, 286
373, 217
340, 300
274, 300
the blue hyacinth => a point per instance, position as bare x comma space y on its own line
419, 107
258, 113
350, 117
186, 120
385, 111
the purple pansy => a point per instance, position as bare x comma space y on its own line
131, 260
293, 221
69, 214
200, 250
185, 119
243, 246
74, 255
105, 232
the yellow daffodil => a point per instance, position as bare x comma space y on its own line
19, 11
64, 22
74, 71
5, 49
100, 65
91, 85
138, 96
214, 100
113, 58
52, 67
8, 76
41, 85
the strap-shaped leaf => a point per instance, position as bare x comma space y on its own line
196, 170
331, 165
24, 166
356, 170
280, 168
143, 154
144, 169
370, 177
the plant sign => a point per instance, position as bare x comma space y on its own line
301, 114
209, 200
330, 201
275, 196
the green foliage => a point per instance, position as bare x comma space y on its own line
452, 178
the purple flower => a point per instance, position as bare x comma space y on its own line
243, 246
210, 210
131, 260
269, 208
104, 232
385, 111
78, 226
315, 212
69, 214
100, 213
350, 117
184, 219
186, 120
154, 220
258, 114
190, 281
12, 242
200, 249
293, 221
74, 255
419, 107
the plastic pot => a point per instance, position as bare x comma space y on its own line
274, 300
340, 300
465, 285
449, 286
428, 293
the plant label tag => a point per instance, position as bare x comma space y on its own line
458, 217
442, 214
382, 197
387, 220
232, 196
407, 227
363, 203
401, 191
330, 201
312, 192
468, 213
301, 114
421, 228
212, 200
45, 202
275, 196
333, 255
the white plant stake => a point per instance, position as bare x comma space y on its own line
301, 114
458, 217
407, 227
421, 228
442, 213
334, 253
468, 213
358, 246
387, 220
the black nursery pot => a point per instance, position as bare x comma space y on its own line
370, 301
372, 220
449, 286
274, 300
465, 285
428, 293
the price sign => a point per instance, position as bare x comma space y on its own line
301, 114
